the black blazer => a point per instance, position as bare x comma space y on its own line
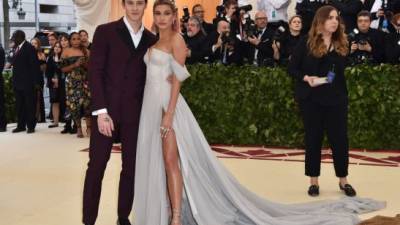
265, 50
196, 45
234, 58
303, 63
26, 68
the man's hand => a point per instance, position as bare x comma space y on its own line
367, 47
354, 47
105, 124
255, 41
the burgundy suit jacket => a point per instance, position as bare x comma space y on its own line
117, 72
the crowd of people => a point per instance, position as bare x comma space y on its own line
63, 71
233, 37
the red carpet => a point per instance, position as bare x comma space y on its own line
357, 156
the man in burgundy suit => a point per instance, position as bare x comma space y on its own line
117, 75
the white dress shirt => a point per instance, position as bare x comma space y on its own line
136, 37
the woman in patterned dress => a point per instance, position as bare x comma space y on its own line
74, 65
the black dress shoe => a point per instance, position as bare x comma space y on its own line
122, 221
17, 130
31, 131
348, 190
313, 190
3, 129
74, 130
53, 125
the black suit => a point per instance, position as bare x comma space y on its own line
265, 54
219, 53
322, 108
3, 121
26, 76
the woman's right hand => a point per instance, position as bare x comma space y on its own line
310, 80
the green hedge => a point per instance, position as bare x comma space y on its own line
251, 105
9, 97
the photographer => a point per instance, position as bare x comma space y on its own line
287, 43
382, 12
365, 41
195, 40
223, 45
230, 13
348, 10
392, 42
307, 9
198, 11
259, 48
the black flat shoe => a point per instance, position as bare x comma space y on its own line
123, 222
30, 131
348, 190
17, 130
74, 130
313, 190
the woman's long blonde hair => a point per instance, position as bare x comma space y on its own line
315, 41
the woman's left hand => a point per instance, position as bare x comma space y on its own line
166, 124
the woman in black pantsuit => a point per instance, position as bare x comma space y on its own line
323, 105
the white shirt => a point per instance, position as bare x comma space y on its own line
136, 37
256, 51
20, 45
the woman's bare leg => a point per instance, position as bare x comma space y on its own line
174, 176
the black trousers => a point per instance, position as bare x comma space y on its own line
26, 108
317, 119
3, 120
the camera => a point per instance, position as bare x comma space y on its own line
227, 38
245, 9
220, 11
279, 34
185, 19
358, 37
186, 15
249, 27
